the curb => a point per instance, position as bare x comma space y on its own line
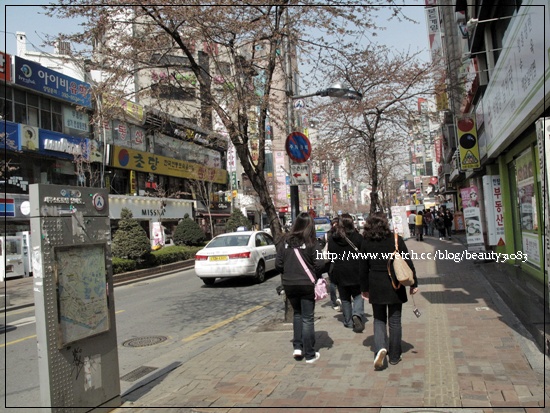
118, 279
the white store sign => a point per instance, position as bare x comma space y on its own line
494, 209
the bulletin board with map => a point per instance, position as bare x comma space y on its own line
81, 292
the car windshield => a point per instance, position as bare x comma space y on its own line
319, 221
229, 241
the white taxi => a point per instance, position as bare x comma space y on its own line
242, 253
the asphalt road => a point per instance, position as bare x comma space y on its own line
153, 317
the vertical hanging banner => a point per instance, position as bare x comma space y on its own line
468, 143
472, 218
494, 210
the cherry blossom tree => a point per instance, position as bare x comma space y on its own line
250, 45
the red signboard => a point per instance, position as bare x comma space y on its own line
5, 67
438, 148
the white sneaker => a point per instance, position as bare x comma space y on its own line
338, 302
297, 354
379, 359
317, 357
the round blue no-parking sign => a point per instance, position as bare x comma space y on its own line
298, 147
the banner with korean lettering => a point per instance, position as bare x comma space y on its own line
494, 209
34, 76
148, 162
5, 66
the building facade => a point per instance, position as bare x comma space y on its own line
496, 123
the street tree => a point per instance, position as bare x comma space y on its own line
253, 46
130, 239
375, 131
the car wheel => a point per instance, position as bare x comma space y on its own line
260, 272
208, 281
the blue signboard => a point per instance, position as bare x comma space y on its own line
9, 136
298, 147
34, 76
62, 146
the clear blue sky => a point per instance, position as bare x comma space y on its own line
28, 17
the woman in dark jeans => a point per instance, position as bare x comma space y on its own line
376, 286
345, 243
299, 288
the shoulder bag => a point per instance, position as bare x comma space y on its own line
351, 244
403, 272
320, 285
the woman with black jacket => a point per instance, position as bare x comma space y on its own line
298, 287
377, 287
345, 243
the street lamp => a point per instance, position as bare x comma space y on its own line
335, 91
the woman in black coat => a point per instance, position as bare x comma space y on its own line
300, 245
376, 286
345, 243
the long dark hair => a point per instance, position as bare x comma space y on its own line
345, 226
302, 231
377, 227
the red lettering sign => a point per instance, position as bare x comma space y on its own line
5, 67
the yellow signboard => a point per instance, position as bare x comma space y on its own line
468, 143
132, 110
126, 158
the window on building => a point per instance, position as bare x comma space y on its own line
20, 99
57, 118
163, 60
172, 92
6, 103
31, 109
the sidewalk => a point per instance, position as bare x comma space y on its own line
467, 352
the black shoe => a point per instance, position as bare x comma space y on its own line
358, 325
394, 362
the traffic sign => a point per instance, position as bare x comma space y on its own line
298, 147
300, 174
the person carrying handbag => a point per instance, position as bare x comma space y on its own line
377, 288
298, 286
332, 287
345, 243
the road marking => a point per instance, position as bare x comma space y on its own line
17, 341
222, 323
23, 310
18, 323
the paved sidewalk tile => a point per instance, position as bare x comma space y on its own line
462, 354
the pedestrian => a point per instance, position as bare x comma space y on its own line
427, 221
332, 287
419, 223
412, 222
431, 224
345, 242
440, 225
448, 218
297, 285
377, 288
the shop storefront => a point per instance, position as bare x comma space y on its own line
152, 213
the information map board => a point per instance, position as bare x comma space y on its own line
82, 292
